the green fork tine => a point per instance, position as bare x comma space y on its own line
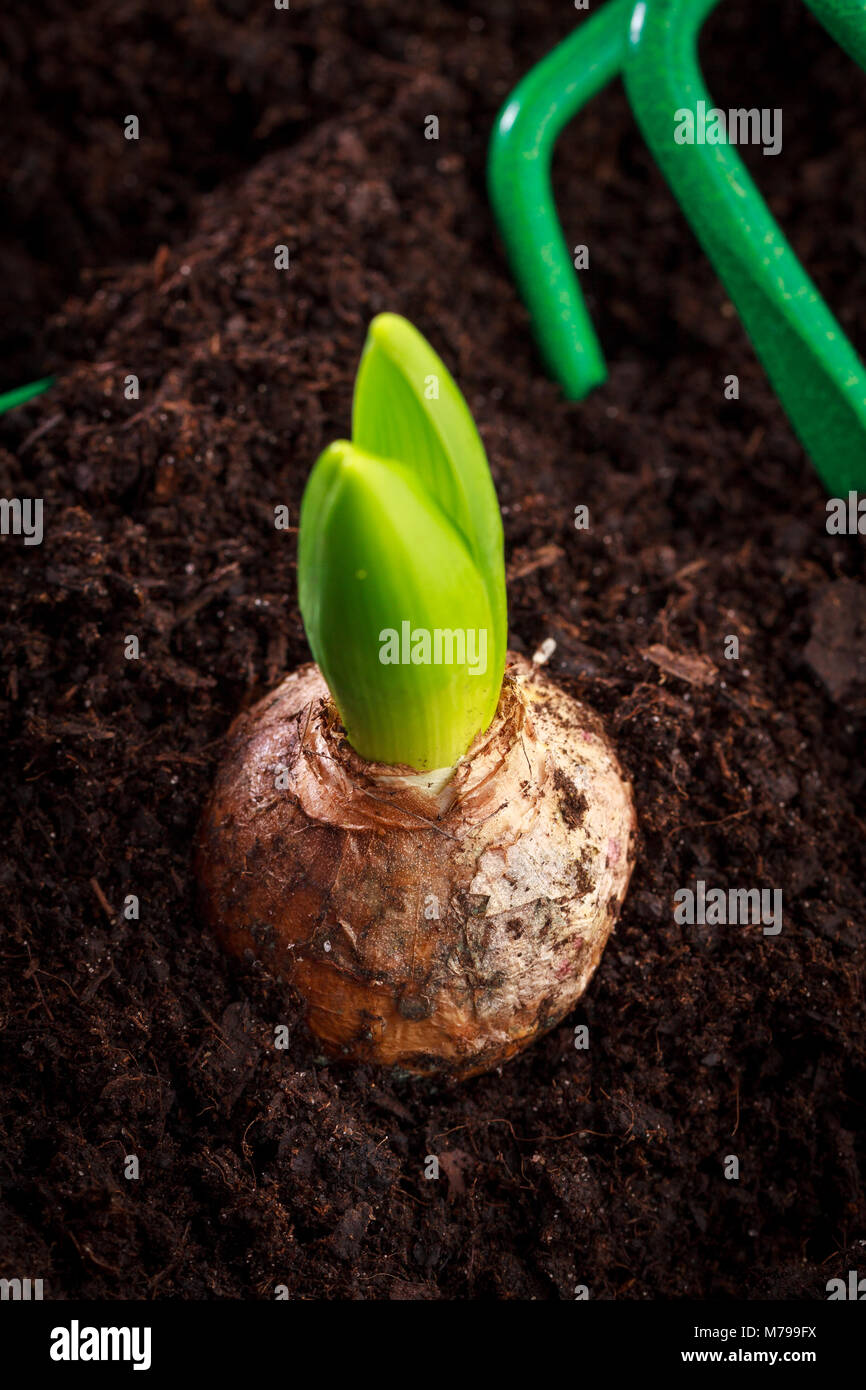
815, 371
518, 174
10, 399
845, 20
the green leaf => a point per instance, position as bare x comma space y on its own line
378, 556
401, 578
395, 415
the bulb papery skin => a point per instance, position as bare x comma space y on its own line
433, 923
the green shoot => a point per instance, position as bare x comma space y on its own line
401, 579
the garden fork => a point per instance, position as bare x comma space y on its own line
813, 367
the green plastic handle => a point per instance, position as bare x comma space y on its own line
845, 20
814, 369
519, 183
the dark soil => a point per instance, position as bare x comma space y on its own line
260, 1167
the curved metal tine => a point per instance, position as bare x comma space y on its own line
814, 369
521, 192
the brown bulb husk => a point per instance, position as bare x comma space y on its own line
332, 871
